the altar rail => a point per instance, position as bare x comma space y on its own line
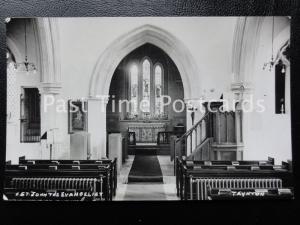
163, 137
131, 138
146, 132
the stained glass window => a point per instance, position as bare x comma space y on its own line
146, 90
145, 106
158, 89
134, 89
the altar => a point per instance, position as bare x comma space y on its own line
146, 132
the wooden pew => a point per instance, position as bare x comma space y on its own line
229, 194
59, 174
191, 164
196, 181
43, 181
112, 163
192, 179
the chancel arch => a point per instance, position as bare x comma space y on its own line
111, 57
117, 50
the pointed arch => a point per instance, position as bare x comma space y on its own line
118, 49
47, 37
246, 36
245, 45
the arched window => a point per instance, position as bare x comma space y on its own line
134, 89
158, 89
145, 105
146, 90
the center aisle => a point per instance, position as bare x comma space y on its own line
145, 168
147, 190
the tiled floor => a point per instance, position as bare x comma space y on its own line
147, 191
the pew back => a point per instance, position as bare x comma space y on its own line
195, 177
113, 163
96, 176
44, 180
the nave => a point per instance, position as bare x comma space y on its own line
152, 191
83, 110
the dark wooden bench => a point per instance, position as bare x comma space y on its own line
21, 183
191, 164
193, 178
112, 168
238, 194
98, 178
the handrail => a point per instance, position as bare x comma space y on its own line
193, 138
193, 127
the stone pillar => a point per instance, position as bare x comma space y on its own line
49, 93
97, 126
115, 149
242, 91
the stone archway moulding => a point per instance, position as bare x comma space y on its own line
48, 43
245, 44
13, 48
246, 36
117, 50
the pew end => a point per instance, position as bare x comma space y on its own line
21, 158
287, 165
271, 160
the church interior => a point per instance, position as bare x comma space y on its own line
148, 108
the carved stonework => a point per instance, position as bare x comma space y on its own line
146, 132
50, 88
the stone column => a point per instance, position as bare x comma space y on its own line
49, 94
241, 91
97, 126
115, 149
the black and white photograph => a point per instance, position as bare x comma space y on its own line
148, 108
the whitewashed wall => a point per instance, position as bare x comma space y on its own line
268, 134
82, 41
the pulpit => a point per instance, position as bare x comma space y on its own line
146, 133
